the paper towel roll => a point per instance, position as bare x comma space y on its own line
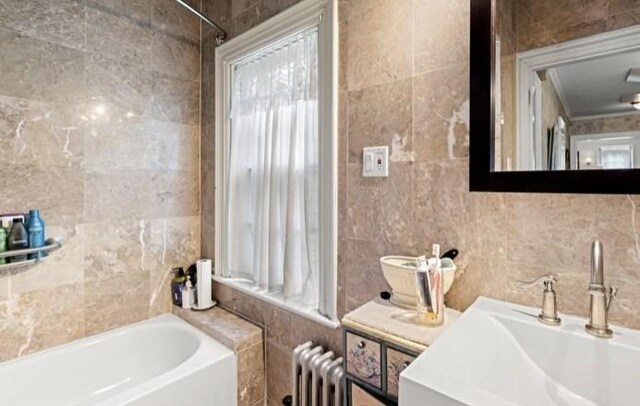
203, 269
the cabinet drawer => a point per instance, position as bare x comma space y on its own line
360, 397
364, 359
397, 361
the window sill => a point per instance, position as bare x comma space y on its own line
277, 300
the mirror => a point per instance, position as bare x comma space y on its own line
566, 85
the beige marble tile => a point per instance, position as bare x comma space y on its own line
550, 230
37, 70
175, 193
117, 89
479, 277
207, 188
248, 306
343, 45
219, 11
278, 372
41, 134
116, 247
176, 55
251, 375
381, 115
120, 29
139, 11
445, 212
380, 209
376, 30
176, 100
343, 127
33, 321
231, 330
60, 22
116, 279
618, 227
158, 145
623, 13
208, 67
441, 114
120, 195
170, 18
59, 194
364, 279
115, 301
546, 22
253, 15
608, 124
441, 34
207, 239
172, 242
240, 6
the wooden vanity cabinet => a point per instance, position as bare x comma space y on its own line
373, 368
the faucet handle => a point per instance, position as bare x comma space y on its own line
549, 313
613, 291
547, 281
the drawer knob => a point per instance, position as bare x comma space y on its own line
406, 364
362, 344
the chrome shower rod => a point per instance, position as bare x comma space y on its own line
222, 34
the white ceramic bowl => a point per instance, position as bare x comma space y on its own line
400, 273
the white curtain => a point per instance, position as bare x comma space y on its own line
272, 205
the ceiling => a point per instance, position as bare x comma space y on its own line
594, 87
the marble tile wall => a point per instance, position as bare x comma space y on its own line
605, 124
245, 339
99, 128
404, 83
547, 22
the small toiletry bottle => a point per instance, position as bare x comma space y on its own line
4, 235
187, 295
430, 290
35, 229
18, 239
177, 284
192, 275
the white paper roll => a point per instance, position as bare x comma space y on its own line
203, 269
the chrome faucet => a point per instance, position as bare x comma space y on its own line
600, 296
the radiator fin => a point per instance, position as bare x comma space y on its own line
317, 376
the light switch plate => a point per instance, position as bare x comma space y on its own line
375, 162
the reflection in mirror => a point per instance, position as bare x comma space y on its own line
567, 85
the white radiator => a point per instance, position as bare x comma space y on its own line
317, 376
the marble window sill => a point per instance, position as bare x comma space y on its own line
278, 300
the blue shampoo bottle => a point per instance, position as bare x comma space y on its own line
35, 230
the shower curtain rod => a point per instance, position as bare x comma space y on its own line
222, 34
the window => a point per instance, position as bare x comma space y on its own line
276, 182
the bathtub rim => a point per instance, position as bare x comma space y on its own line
208, 352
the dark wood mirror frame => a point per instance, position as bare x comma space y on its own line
481, 125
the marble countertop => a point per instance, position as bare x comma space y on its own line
231, 330
386, 321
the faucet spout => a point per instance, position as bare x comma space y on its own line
600, 298
597, 267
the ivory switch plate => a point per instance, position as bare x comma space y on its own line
375, 162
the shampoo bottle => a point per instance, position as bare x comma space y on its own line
18, 239
35, 229
177, 284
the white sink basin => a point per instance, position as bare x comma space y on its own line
498, 353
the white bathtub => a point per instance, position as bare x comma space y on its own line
158, 362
